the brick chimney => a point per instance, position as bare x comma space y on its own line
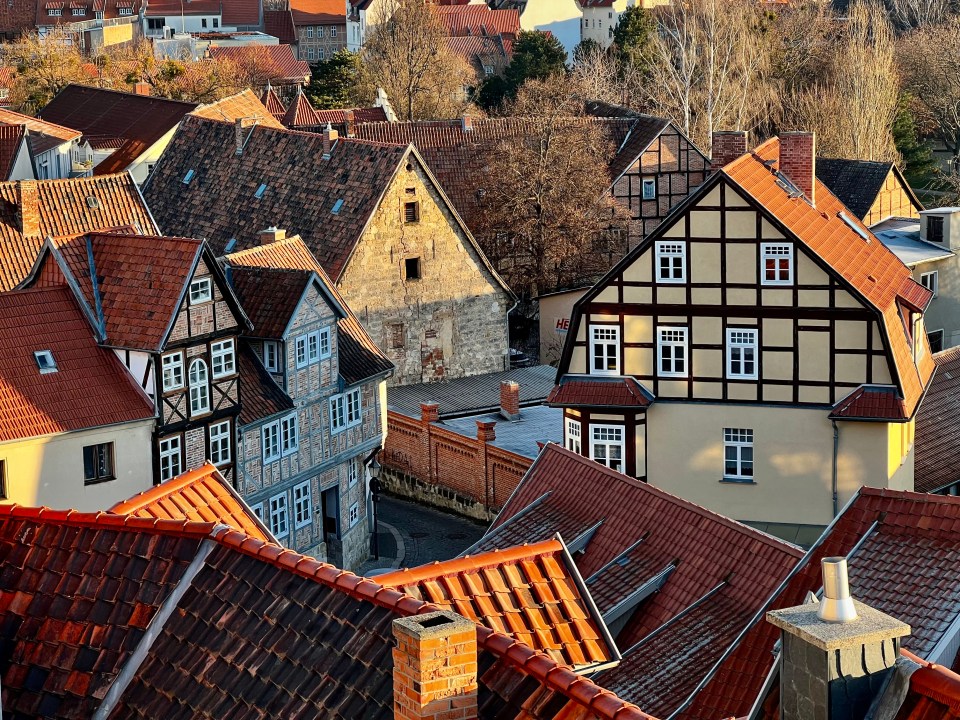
330, 136
510, 400
429, 412
726, 147
466, 123
486, 430
351, 121
241, 126
435, 667
28, 202
272, 234
798, 161
837, 653
141, 88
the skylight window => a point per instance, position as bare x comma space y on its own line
231, 244
260, 191
188, 177
92, 202
853, 226
336, 207
45, 361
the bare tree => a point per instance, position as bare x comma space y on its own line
44, 66
595, 74
407, 55
910, 14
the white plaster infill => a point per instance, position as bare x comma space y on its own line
870, 626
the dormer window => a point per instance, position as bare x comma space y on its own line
79, 12
45, 362
201, 291
53, 12
124, 11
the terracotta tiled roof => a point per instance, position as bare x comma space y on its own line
90, 388
140, 120
271, 101
936, 460
318, 638
359, 356
277, 60
301, 187
318, 12
142, 280
474, 48
595, 391
260, 395
236, 13
300, 113
870, 268
462, 20
934, 693
242, 105
202, 495
109, 8
62, 208
11, 140
269, 296
360, 115
707, 550
621, 576
279, 23
906, 563
531, 592
871, 402
43, 135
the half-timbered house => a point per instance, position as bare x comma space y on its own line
165, 308
761, 353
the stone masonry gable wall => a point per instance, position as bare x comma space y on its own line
449, 323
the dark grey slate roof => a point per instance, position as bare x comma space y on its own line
476, 394
537, 424
856, 183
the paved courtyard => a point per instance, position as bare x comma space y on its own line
412, 535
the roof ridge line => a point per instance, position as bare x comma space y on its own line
144, 498
106, 520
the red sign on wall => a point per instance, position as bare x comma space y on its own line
563, 324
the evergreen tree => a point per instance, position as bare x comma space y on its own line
919, 165
536, 56
632, 34
333, 82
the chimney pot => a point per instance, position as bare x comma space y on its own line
141, 88
837, 605
241, 126
798, 161
330, 136
510, 400
272, 234
727, 146
486, 430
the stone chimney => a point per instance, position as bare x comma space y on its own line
836, 654
510, 400
272, 234
350, 123
435, 667
727, 146
141, 88
466, 123
330, 136
241, 131
798, 161
486, 430
29, 207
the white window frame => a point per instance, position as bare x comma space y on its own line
648, 182
288, 426
258, 511
354, 514
607, 443
222, 353
171, 464
279, 517
270, 442
573, 436
300, 351
324, 336
738, 439
313, 348
670, 250
338, 413
310, 32
737, 348
353, 473
199, 388
271, 356
302, 505
354, 407
220, 443
664, 343
201, 291
597, 340
931, 281
774, 251
172, 369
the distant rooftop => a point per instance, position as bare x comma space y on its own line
537, 424
902, 236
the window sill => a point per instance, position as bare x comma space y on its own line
98, 481
737, 481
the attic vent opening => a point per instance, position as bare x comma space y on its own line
188, 177
45, 361
93, 203
336, 207
853, 226
260, 191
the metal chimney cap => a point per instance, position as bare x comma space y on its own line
837, 605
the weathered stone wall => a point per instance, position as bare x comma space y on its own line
451, 321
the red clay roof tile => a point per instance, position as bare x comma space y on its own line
275, 62
43, 135
936, 461
871, 402
594, 391
242, 105
260, 395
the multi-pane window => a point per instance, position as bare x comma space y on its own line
169, 458
354, 514
310, 32
606, 445
649, 188
353, 407
310, 348
199, 388
313, 347
223, 359
301, 345
271, 356
201, 291
573, 441
279, 523
270, 436
742, 353
605, 349
172, 371
220, 443
776, 264
288, 435
98, 463
671, 260
672, 352
931, 281
302, 511
324, 342
338, 413
738, 454
353, 473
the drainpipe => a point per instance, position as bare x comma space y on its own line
836, 450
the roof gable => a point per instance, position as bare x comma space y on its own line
242, 105
43, 135
11, 146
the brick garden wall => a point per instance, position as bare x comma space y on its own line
431, 464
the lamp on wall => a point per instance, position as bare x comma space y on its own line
374, 468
